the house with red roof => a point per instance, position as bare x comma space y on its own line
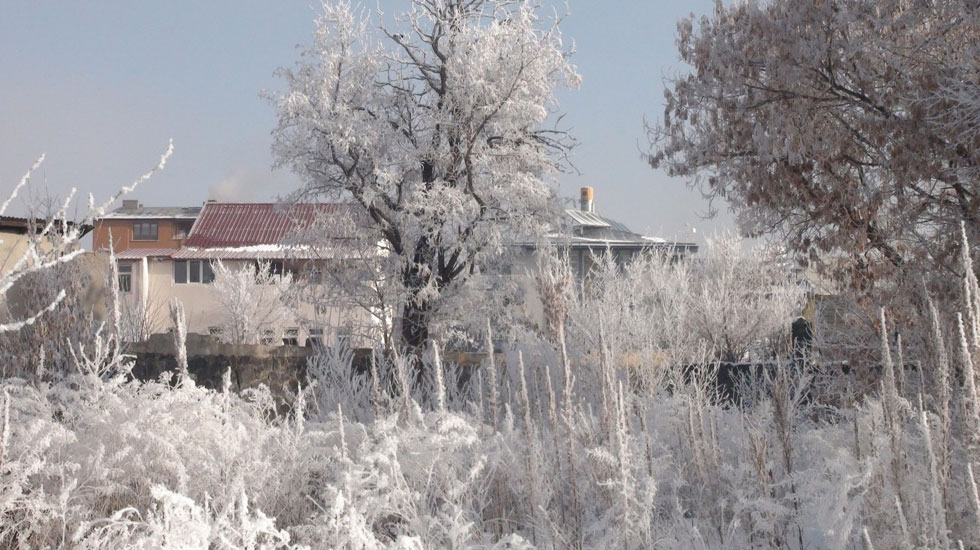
237, 235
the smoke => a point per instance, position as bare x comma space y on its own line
248, 185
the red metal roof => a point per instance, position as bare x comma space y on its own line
229, 224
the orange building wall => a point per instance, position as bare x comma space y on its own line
122, 235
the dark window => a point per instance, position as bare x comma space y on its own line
623, 257
145, 231
291, 337
125, 276
315, 339
181, 229
195, 271
180, 271
207, 273
343, 338
575, 258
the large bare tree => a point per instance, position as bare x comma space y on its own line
439, 125
847, 127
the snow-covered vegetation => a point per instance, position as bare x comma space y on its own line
605, 430
563, 442
254, 299
438, 124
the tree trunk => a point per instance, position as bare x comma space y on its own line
415, 335
416, 312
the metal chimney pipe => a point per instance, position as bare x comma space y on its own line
587, 194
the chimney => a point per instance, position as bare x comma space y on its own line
587, 194
131, 204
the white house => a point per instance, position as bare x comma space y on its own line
236, 234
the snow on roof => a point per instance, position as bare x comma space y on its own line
237, 225
262, 252
586, 219
140, 253
590, 230
154, 212
589, 227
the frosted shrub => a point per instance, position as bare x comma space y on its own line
552, 445
255, 301
96, 460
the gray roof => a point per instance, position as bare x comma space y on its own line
589, 228
148, 212
582, 229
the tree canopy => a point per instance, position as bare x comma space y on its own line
848, 128
435, 126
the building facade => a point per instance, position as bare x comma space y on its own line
588, 239
148, 227
239, 235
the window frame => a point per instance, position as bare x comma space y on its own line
183, 271
124, 272
194, 272
181, 230
140, 235
203, 275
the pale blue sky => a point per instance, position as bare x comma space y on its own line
101, 85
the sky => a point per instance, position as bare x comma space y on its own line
101, 86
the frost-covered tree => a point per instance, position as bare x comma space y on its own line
436, 127
849, 128
732, 302
254, 299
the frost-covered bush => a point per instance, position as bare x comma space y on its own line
553, 445
105, 462
535, 457
254, 299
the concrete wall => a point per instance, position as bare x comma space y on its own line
278, 367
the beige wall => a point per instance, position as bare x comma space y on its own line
203, 310
13, 247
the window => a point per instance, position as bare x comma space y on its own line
315, 339
291, 337
217, 332
180, 272
343, 338
575, 258
125, 270
193, 271
145, 231
181, 229
623, 257
268, 337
